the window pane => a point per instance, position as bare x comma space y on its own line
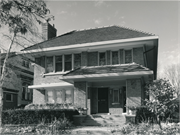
115, 58
116, 96
50, 96
68, 62
49, 64
68, 96
59, 96
102, 59
128, 56
77, 60
58, 60
23, 92
8, 97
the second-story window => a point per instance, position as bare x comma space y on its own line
77, 60
58, 62
115, 59
67, 62
128, 56
49, 64
102, 58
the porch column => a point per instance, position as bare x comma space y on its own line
133, 92
80, 90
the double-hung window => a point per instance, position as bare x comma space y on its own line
58, 63
116, 96
77, 60
102, 58
9, 97
115, 59
49, 64
68, 62
128, 56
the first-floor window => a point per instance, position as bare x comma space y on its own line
60, 96
116, 96
9, 97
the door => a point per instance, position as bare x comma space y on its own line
124, 99
103, 100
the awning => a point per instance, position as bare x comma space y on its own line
124, 71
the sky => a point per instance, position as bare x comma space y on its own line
157, 17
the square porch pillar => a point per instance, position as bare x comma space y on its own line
133, 92
80, 92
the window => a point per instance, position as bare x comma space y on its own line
26, 93
115, 58
102, 58
59, 96
77, 60
9, 97
115, 96
49, 64
25, 64
59, 66
128, 56
68, 62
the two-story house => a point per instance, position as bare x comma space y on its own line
19, 74
102, 69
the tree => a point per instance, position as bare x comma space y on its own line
172, 73
161, 94
19, 16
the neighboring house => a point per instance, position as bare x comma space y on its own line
102, 69
17, 78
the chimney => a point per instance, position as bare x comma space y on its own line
48, 31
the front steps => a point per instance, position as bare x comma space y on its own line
103, 120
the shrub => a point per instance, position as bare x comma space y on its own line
144, 115
20, 116
50, 106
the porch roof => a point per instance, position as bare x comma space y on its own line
119, 70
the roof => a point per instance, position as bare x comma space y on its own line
11, 54
90, 35
119, 68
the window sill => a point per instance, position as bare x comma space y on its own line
55, 73
115, 103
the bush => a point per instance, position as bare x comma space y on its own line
20, 116
50, 106
144, 115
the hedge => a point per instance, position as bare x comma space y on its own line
21, 116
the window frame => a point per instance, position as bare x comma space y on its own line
99, 58
125, 55
116, 89
11, 97
111, 57
54, 95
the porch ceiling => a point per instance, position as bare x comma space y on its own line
108, 72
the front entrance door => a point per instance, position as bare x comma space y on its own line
103, 100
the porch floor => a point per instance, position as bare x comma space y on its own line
104, 120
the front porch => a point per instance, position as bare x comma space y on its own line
109, 89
